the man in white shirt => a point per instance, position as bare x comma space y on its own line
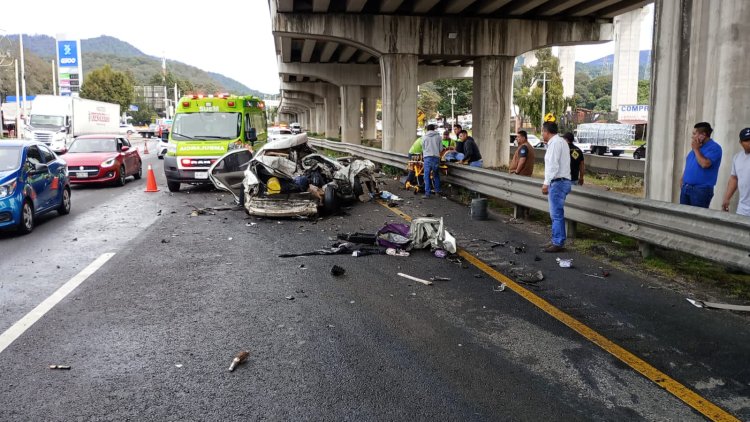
556, 183
740, 177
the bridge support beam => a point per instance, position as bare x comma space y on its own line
399, 76
369, 117
351, 101
491, 108
699, 74
331, 100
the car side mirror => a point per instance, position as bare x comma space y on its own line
252, 135
39, 168
125, 148
62, 151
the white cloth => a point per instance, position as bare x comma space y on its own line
741, 169
556, 160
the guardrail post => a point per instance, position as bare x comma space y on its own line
570, 228
646, 249
520, 212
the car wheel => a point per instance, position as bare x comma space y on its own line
330, 201
636, 155
64, 208
173, 186
121, 179
26, 225
616, 153
357, 188
140, 171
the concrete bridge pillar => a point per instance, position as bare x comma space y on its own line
369, 117
333, 117
399, 76
320, 118
351, 100
699, 73
491, 108
627, 55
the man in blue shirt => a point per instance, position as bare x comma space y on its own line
701, 168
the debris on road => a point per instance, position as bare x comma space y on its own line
441, 253
418, 280
500, 288
436, 278
396, 252
289, 297
714, 305
595, 276
527, 276
337, 271
565, 263
495, 244
430, 232
394, 235
362, 238
59, 367
238, 360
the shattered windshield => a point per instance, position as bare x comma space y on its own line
206, 126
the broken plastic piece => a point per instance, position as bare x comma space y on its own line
595, 276
714, 305
239, 359
418, 280
565, 263
396, 252
500, 288
59, 367
337, 271
436, 278
441, 253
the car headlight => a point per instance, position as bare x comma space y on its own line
7, 189
171, 148
109, 163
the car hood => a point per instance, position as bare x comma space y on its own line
88, 158
6, 176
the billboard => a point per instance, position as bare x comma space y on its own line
632, 113
70, 70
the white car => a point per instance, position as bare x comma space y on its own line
127, 129
279, 133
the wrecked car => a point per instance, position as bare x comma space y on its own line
289, 178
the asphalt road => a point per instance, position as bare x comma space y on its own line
150, 335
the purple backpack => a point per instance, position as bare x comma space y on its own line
394, 235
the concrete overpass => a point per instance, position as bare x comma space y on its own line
698, 74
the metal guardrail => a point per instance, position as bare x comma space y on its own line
619, 166
712, 234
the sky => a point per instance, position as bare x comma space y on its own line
231, 37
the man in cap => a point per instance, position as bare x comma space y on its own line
577, 167
740, 177
701, 168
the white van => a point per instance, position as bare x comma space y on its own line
296, 128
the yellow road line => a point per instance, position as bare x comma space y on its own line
691, 398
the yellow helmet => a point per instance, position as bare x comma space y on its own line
549, 117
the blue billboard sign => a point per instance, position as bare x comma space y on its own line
67, 53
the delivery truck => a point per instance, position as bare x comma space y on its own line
56, 120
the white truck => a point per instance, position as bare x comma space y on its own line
605, 137
56, 120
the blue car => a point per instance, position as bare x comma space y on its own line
33, 181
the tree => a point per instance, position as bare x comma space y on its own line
428, 100
183, 85
603, 104
463, 98
108, 85
644, 91
528, 89
144, 115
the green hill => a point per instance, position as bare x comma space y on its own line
97, 52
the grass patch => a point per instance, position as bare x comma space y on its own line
629, 185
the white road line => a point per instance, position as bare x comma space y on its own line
11, 334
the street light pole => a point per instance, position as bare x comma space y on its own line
18, 105
453, 102
23, 73
544, 96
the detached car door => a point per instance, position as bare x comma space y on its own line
228, 172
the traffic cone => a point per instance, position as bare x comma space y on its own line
145, 147
151, 181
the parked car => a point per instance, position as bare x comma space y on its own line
296, 128
103, 159
33, 181
161, 148
288, 178
127, 129
640, 152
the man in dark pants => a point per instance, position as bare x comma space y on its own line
431, 146
577, 167
701, 168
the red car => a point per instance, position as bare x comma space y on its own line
103, 159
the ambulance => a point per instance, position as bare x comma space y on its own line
205, 128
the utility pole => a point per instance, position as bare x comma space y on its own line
18, 105
453, 102
23, 73
544, 96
